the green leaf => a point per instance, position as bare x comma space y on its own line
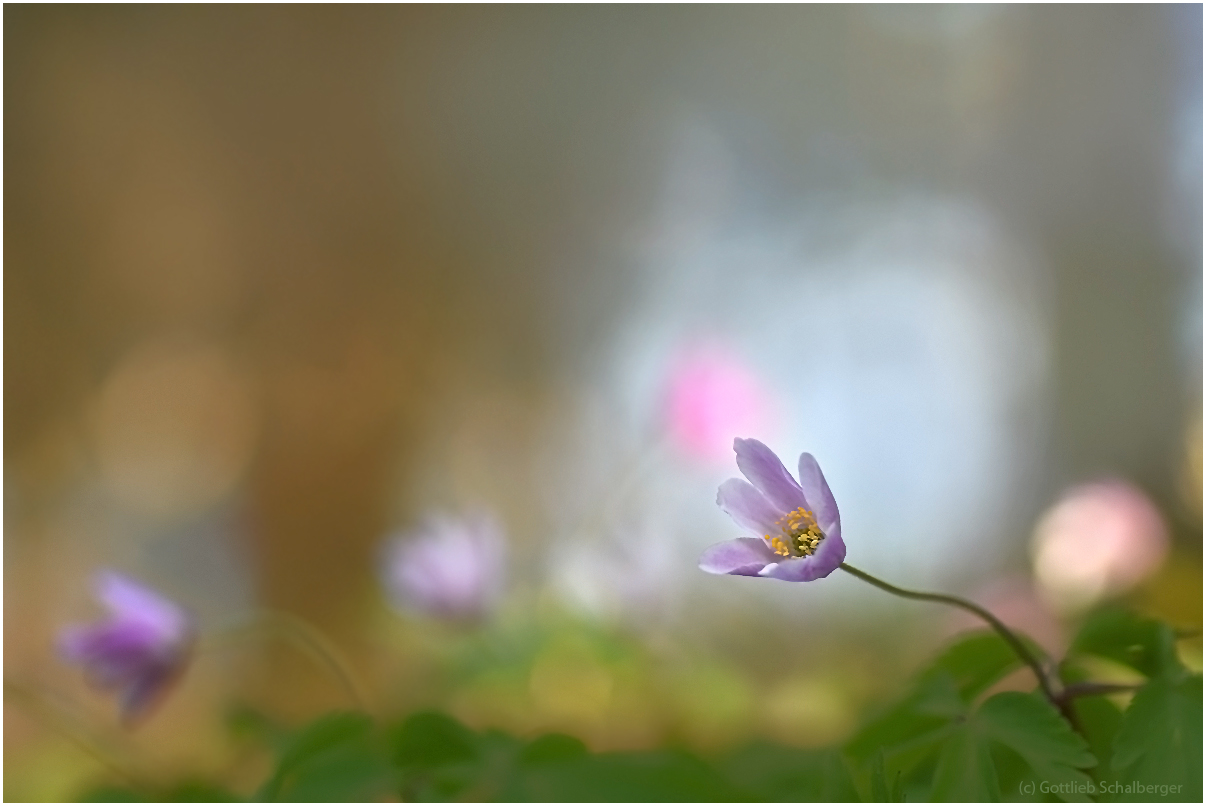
1014, 775
975, 662
437, 757
657, 776
879, 779
1145, 645
1032, 730
938, 694
881, 791
324, 733
497, 759
441, 759
770, 772
965, 770
1160, 740
348, 772
187, 792
113, 794
1098, 719
249, 724
552, 747
910, 732
431, 739
1031, 727
944, 691
200, 792
336, 757
900, 727
934, 728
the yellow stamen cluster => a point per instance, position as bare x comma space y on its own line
801, 535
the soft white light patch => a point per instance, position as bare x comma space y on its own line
909, 356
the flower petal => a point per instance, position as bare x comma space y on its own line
829, 556
762, 467
816, 491
832, 551
132, 602
748, 508
744, 556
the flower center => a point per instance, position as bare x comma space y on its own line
800, 534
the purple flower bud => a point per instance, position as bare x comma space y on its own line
139, 651
448, 567
799, 531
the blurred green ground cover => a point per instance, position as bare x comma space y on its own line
953, 737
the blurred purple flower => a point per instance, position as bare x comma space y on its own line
799, 522
140, 650
448, 567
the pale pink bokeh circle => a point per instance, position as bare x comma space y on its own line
1099, 539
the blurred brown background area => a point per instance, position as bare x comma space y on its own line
258, 260
286, 185
224, 178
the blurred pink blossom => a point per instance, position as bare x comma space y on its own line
1099, 539
712, 398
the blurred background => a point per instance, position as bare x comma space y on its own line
283, 284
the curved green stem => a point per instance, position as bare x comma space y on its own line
1015, 643
312, 643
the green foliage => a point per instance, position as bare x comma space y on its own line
552, 748
881, 790
438, 759
1098, 719
976, 662
1153, 749
965, 768
187, 792
969, 764
657, 776
769, 772
1147, 646
246, 724
430, 740
1160, 738
950, 738
943, 691
1029, 726
337, 757
200, 792
113, 794
938, 745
